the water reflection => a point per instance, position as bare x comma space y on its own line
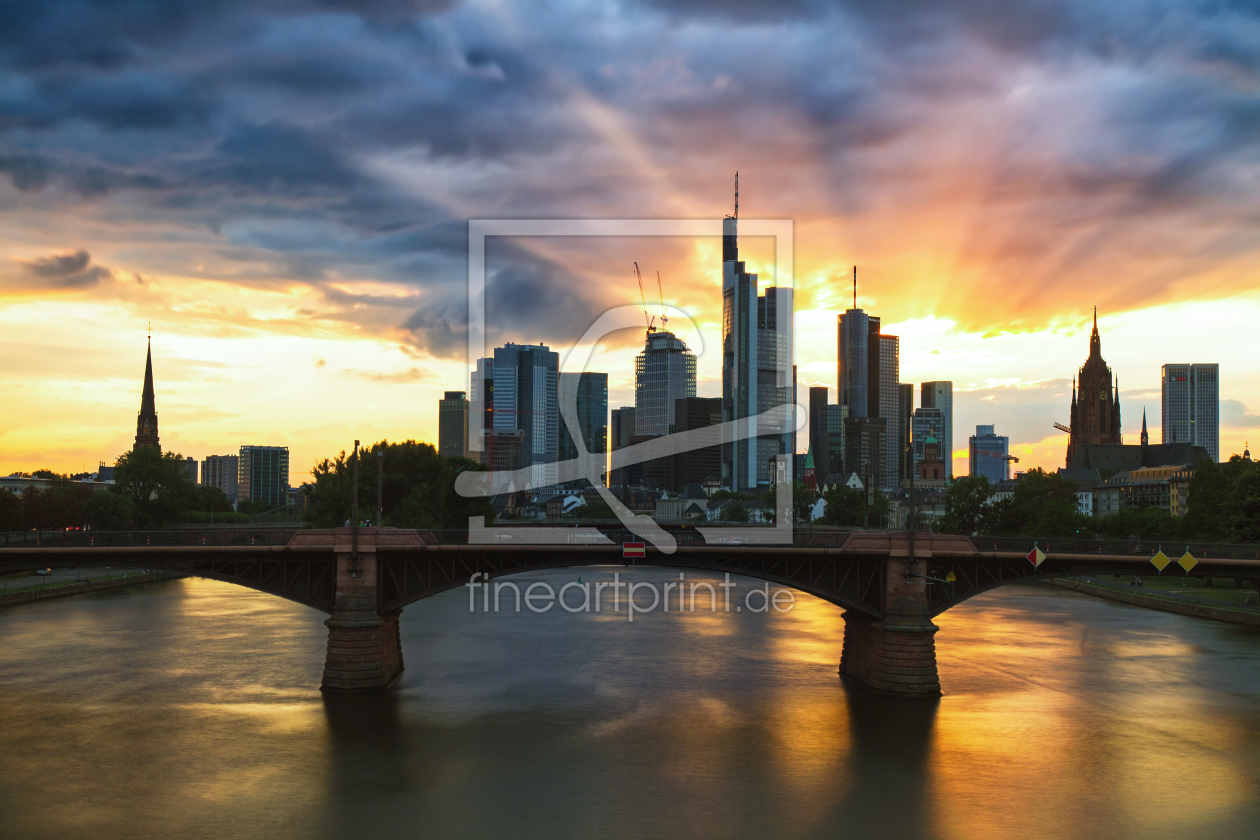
190, 709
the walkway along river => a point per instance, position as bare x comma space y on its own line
186, 708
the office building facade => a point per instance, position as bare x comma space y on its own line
757, 354
264, 475
453, 425
868, 370
940, 395
519, 389
905, 412
926, 422
1191, 405
987, 455
222, 471
592, 409
696, 465
664, 372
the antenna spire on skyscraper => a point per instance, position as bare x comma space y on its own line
737, 193
855, 287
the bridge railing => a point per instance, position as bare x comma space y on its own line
1137, 548
802, 537
183, 537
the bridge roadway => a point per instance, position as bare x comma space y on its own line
889, 597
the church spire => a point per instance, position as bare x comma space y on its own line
147, 421
1145, 439
1095, 343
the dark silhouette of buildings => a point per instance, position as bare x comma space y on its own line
1096, 413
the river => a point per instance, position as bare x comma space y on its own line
191, 709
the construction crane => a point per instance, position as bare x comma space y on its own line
1062, 428
1010, 458
643, 299
661, 295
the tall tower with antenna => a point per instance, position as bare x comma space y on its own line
757, 353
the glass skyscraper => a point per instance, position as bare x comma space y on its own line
1191, 402
592, 410
663, 373
987, 455
757, 357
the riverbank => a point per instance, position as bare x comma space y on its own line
64, 590
1165, 603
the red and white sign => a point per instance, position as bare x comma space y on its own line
634, 549
1036, 556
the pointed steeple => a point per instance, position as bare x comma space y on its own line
147, 421
1145, 439
1095, 343
1074, 391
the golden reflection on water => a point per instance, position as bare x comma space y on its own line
191, 709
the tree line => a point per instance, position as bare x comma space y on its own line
1223, 506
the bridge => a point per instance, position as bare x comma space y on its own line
889, 587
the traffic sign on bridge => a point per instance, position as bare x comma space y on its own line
634, 549
1036, 557
1187, 561
1160, 560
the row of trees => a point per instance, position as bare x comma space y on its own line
151, 490
1223, 506
418, 488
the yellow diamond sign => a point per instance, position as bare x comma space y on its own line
1160, 560
1187, 561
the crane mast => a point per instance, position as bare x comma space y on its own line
661, 295
643, 299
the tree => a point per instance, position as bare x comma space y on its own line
733, 512
56, 506
157, 485
1207, 506
965, 501
10, 511
1043, 505
109, 511
846, 506
418, 485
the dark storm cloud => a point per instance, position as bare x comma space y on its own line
59, 265
68, 270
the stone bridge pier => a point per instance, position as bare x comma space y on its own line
896, 654
364, 647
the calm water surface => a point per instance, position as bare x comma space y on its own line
191, 709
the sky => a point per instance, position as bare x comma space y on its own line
281, 189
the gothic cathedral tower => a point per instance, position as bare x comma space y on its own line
147, 422
1096, 414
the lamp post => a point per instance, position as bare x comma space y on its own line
353, 569
910, 521
380, 482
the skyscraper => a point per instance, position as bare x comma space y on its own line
453, 425
696, 465
592, 410
1096, 415
757, 357
818, 431
664, 372
987, 455
147, 420
940, 395
1191, 401
620, 433
264, 475
867, 371
522, 383
905, 411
